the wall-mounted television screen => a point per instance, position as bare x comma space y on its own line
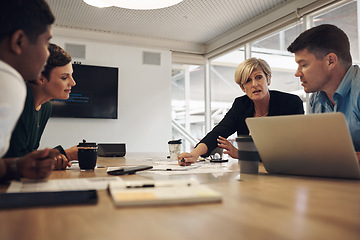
95, 94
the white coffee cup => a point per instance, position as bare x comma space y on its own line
174, 149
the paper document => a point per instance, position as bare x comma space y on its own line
97, 183
199, 167
161, 192
173, 167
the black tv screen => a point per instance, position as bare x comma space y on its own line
95, 94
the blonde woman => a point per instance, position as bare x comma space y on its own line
254, 77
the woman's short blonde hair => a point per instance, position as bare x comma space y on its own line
244, 70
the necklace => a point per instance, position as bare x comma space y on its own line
38, 125
261, 115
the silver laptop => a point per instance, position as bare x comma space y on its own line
312, 145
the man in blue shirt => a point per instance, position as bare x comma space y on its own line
325, 69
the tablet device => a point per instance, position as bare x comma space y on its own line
37, 199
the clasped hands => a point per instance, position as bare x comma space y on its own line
62, 162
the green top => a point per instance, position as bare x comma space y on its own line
29, 129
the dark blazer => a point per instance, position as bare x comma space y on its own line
243, 107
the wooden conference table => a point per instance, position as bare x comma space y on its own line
257, 207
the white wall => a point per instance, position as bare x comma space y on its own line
144, 101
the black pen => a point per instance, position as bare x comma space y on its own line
141, 186
162, 184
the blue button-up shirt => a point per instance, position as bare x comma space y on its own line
347, 101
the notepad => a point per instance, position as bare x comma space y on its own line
161, 192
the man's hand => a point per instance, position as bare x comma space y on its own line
38, 164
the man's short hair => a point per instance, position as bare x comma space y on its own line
322, 40
31, 16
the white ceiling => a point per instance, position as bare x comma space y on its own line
198, 23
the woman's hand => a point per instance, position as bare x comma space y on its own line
188, 159
228, 147
71, 153
61, 162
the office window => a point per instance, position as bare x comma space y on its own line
271, 42
224, 90
345, 17
188, 102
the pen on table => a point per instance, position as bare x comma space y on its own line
152, 185
141, 186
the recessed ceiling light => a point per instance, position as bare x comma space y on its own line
97, 3
133, 4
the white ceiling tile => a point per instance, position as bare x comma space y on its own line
198, 21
